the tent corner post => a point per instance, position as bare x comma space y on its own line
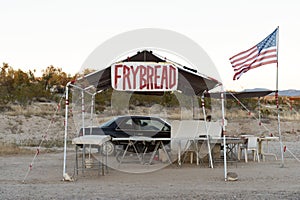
206, 130
224, 130
66, 127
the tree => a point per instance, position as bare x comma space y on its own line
6, 83
54, 76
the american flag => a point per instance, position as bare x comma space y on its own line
263, 53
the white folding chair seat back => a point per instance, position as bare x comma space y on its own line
252, 145
192, 129
181, 131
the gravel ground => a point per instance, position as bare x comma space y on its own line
264, 180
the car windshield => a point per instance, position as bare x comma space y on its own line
108, 123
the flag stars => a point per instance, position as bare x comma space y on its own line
269, 41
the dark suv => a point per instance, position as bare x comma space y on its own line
127, 126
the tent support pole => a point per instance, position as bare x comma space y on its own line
224, 134
207, 136
66, 120
66, 128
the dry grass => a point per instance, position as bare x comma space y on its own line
12, 149
26, 127
37, 109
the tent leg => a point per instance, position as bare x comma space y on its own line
66, 129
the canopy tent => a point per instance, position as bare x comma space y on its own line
247, 94
239, 95
189, 82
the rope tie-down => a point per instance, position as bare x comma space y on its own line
44, 138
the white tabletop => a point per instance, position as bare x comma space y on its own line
91, 139
141, 138
269, 138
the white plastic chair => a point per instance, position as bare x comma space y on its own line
251, 145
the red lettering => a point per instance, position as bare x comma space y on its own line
156, 77
116, 74
143, 80
144, 77
134, 73
150, 73
164, 78
172, 76
126, 77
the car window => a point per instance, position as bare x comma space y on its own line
107, 124
146, 124
126, 124
151, 125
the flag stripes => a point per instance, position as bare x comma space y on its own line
261, 54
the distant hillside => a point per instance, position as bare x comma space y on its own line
289, 93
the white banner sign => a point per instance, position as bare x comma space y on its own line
144, 76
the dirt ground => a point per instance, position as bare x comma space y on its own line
264, 180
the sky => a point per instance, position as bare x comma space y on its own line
36, 34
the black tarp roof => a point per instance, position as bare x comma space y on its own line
189, 81
239, 95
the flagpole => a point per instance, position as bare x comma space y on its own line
277, 102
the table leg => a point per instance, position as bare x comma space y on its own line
197, 152
164, 148
179, 153
154, 152
125, 151
83, 158
260, 149
264, 154
137, 153
76, 160
102, 162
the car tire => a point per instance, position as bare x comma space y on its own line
108, 148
